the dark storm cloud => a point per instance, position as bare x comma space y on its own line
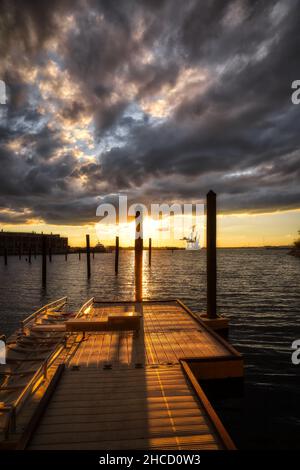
73, 111
234, 130
26, 24
25, 176
241, 122
73, 211
13, 217
43, 191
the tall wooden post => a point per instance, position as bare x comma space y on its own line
5, 256
211, 254
88, 256
117, 256
138, 257
44, 261
150, 251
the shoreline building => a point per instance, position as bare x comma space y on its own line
24, 242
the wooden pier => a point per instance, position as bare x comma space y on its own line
118, 375
123, 375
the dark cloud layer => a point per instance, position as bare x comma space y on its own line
176, 99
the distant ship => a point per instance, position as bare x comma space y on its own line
192, 242
100, 248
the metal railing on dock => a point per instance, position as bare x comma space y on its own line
51, 306
40, 374
84, 307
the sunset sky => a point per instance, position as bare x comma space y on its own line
157, 100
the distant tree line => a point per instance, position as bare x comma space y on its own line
297, 242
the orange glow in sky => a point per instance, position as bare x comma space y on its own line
234, 230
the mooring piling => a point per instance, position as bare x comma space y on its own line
138, 256
150, 251
88, 256
211, 254
44, 261
117, 256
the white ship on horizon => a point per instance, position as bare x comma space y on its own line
193, 240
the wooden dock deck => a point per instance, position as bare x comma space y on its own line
133, 388
168, 333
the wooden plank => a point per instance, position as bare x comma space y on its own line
163, 427
215, 420
83, 416
217, 338
164, 408
182, 443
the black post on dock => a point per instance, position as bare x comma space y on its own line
117, 256
211, 254
44, 261
88, 256
138, 256
5, 256
150, 251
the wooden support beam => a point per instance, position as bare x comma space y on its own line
138, 252
211, 254
117, 256
150, 251
88, 257
44, 261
